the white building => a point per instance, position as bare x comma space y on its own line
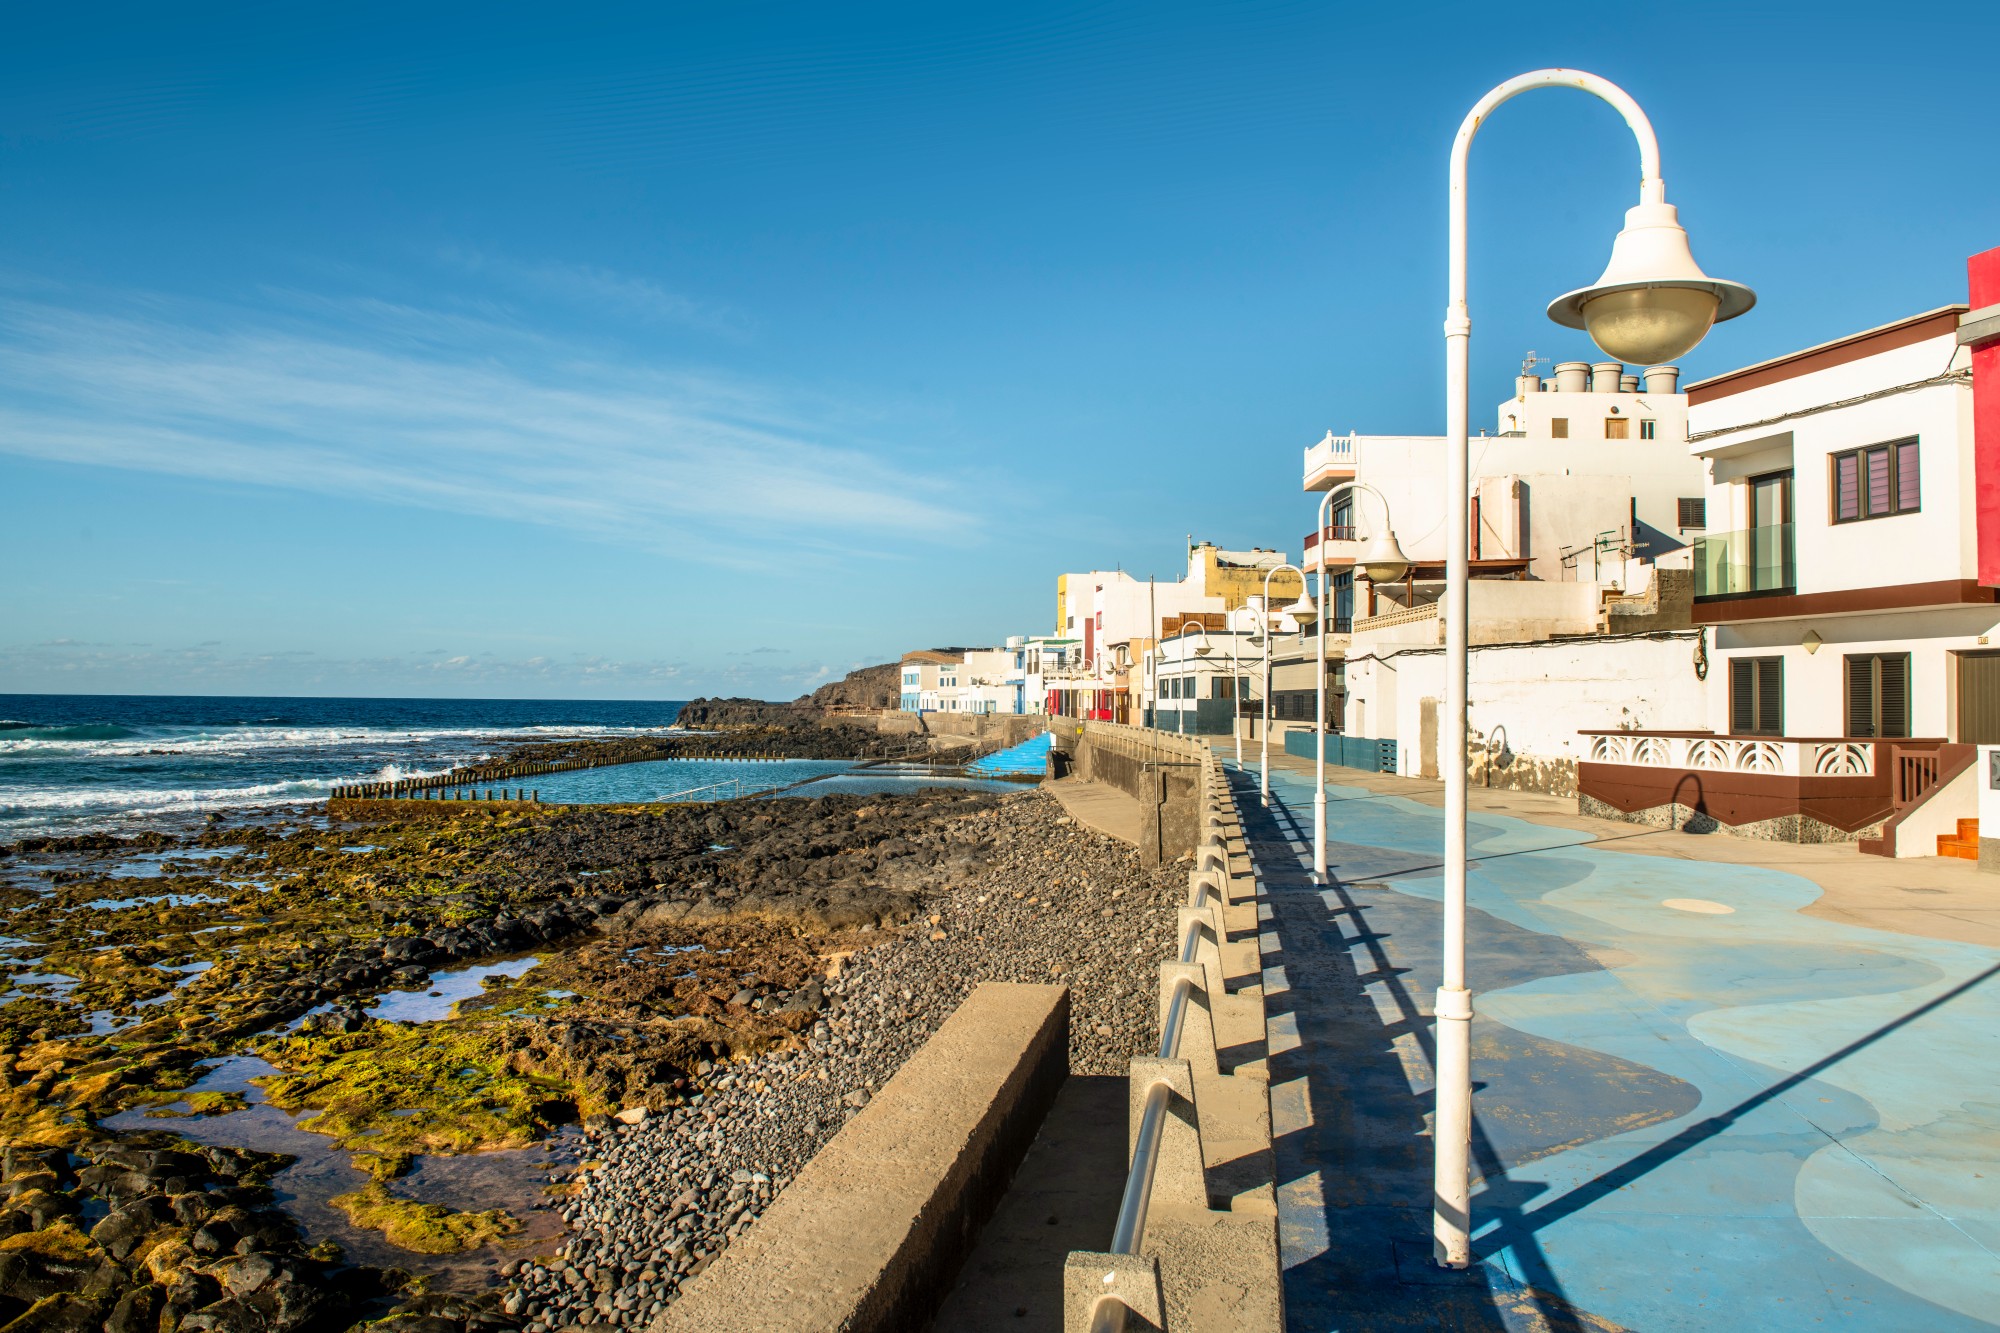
1856, 648
1584, 503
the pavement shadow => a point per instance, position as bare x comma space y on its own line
1351, 1097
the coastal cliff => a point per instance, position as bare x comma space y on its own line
877, 686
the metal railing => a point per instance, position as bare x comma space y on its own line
735, 786
1131, 1227
1125, 1284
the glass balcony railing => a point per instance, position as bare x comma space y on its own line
1753, 560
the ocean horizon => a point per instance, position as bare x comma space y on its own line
74, 763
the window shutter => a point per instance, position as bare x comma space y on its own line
1693, 513
1896, 695
1770, 696
1742, 695
1847, 487
1878, 481
1907, 491
1861, 696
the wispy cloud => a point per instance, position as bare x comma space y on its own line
602, 289
67, 665
454, 409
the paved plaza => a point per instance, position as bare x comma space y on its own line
1707, 1094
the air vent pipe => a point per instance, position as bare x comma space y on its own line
1573, 377
1604, 377
1662, 379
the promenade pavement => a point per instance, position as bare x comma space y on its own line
1710, 1093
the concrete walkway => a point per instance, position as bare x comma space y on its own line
1705, 1098
1100, 806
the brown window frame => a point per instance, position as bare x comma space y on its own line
1887, 676
1765, 693
1559, 428
1892, 454
1617, 428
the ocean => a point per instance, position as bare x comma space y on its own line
74, 763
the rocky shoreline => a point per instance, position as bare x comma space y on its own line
713, 990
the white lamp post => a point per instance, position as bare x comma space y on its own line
1180, 715
1382, 561
1653, 304
1235, 679
1270, 633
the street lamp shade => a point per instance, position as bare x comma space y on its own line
1383, 561
1653, 303
1303, 611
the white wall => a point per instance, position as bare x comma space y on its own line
1538, 697
1814, 683
1936, 543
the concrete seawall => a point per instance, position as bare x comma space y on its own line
1160, 771
870, 1234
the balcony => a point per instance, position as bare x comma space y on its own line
1332, 459
1740, 564
1338, 545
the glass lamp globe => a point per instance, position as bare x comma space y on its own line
1653, 303
1384, 561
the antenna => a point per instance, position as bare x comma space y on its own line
1530, 361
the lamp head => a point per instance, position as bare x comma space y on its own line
1383, 561
1303, 611
1653, 303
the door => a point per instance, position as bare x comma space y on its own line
1771, 532
1979, 698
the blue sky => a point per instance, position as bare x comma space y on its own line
653, 350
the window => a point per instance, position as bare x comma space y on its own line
1559, 428
1875, 482
1649, 430
1878, 695
1693, 513
1617, 428
1756, 696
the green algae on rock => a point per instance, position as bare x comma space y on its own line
452, 1086
422, 1228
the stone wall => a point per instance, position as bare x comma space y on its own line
1159, 770
1798, 828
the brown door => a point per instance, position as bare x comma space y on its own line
1979, 698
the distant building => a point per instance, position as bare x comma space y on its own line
923, 671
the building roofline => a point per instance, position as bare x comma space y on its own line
1869, 342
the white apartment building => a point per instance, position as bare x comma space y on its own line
1584, 505
1856, 635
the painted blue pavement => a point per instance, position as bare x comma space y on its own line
1697, 1107
1028, 759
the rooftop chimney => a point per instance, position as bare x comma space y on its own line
1573, 377
1604, 376
1662, 379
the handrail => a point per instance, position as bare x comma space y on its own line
736, 783
1130, 1231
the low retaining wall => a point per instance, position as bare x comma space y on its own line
1158, 769
1362, 752
869, 1235
1206, 1259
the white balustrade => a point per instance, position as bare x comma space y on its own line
1777, 756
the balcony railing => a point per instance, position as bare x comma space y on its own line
1728, 564
1335, 451
1783, 756
1335, 532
